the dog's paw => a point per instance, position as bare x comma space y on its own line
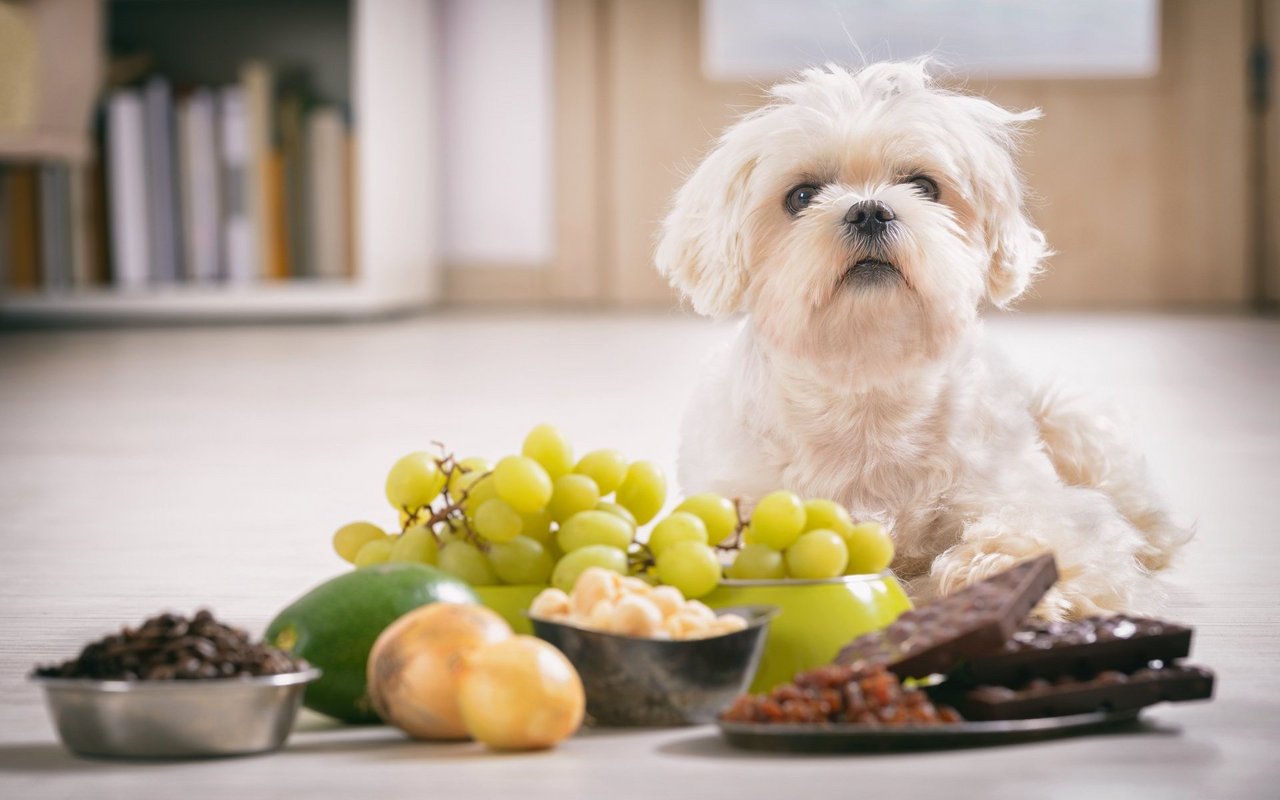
980, 557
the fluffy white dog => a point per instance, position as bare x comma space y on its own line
860, 220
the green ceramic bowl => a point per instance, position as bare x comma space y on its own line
815, 618
511, 603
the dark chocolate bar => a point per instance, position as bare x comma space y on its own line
1108, 691
1078, 649
975, 621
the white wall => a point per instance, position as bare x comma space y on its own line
765, 39
398, 169
497, 201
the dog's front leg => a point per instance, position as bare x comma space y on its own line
1095, 546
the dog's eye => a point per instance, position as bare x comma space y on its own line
927, 186
800, 197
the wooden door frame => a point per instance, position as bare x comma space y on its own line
1265, 18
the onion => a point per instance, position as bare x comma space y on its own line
520, 694
413, 666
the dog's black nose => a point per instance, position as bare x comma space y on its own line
869, 217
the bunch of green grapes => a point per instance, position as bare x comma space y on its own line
535, 518
542, 517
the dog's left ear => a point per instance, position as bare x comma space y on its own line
1016, 245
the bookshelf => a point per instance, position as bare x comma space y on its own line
390, 82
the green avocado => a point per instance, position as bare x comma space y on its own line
334, 626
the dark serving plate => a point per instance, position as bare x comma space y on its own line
851, 738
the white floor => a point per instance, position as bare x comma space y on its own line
172, 468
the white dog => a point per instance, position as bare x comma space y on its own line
859, 220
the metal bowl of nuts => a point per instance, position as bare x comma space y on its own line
638, 681
645, 654
175, 688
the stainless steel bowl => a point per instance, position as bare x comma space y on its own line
175, 719
631, 681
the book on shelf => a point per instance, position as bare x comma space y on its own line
290, 125
236, 184
55, 227
327, 202
257, 82
4, 226
239, 237
80, 225
273, 218
201, 187
162, 194
127, 199
21, 223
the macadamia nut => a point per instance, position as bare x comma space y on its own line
550, 603
605, 601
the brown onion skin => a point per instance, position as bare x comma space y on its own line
413, 667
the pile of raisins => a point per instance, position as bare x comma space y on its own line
862, 693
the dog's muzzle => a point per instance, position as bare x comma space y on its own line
870, 272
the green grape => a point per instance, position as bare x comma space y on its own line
777, 520
870, 549
416, 545
571, 494
521, 561
827, 514
547, 445
593, 527
718, 513
690, 567
606, 467
619, 511
465, 473
497, 521
348, 539
452, 530
523, 483
567, 570
643, 491
681, 526
817, 554
647, 574
464, 560
755, 562
537, 526
482, 490
414, 481
374, 552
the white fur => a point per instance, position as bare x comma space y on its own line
882, 395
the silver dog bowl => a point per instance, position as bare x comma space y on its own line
175, 719
630, 681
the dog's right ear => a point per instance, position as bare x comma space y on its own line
703, 249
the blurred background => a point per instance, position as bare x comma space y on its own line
229, 159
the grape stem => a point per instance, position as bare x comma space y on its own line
450, 509
735, 543
641, 556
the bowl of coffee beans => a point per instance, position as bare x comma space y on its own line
175, 687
